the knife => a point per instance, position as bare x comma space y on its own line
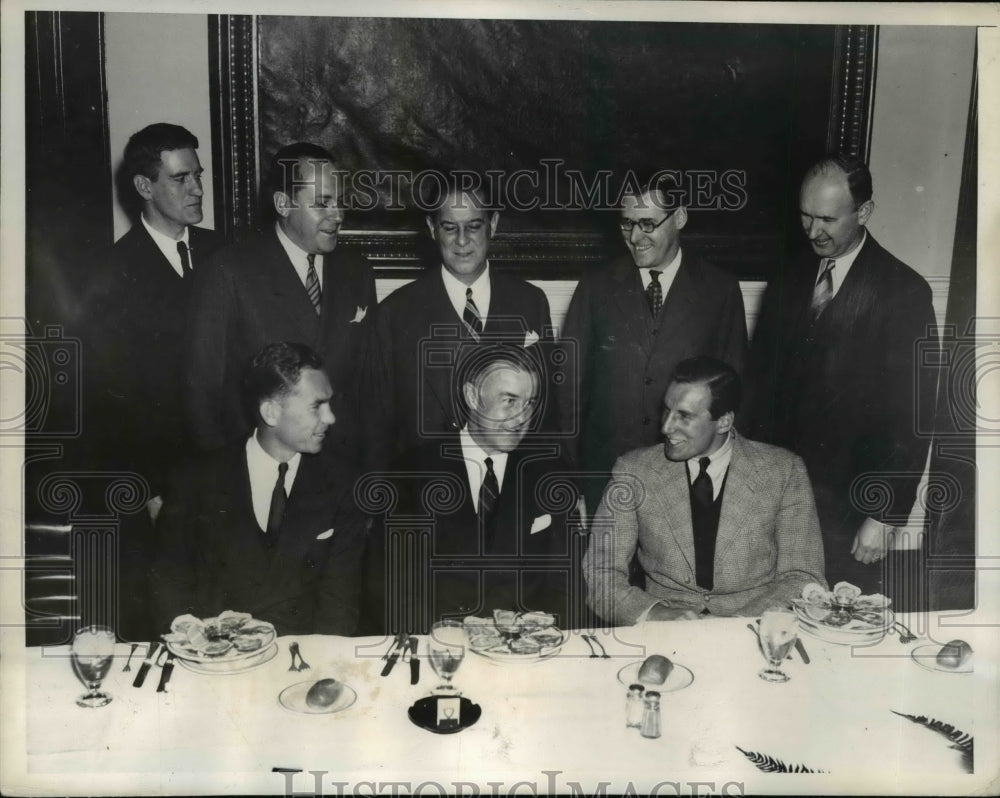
167, 672
147, 663
414, 661
802, 650
400, 642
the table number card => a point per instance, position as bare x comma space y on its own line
449, 710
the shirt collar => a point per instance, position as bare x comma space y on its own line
718, 463
167, 245
260, 461
298, 256
455, 289
667, 273
842, 265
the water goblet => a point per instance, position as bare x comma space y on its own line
92, 651
446, 648
778, 632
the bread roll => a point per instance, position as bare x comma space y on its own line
655, 669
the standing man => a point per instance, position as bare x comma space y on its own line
291, 283
495, 505
139, 317
721, 525
267, 525
834, 372
632, 321
421, 327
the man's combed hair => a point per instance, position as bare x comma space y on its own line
721, 378
285, 175
142, 153
859, 177
274, 371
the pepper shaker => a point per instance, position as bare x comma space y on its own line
651, 715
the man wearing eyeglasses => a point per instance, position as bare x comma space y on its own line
631, 322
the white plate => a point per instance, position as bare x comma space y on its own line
843, 635
926, 657
293, 699
504, 655
679, 678
227, 666
189, 654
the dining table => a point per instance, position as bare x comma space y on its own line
855, 719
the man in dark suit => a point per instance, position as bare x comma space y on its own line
629, 323
835, 372
267, 525
291, 283
480, 517
138, 316
420, 327
722, 525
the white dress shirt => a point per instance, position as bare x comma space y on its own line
299, 257
667, 275
717, 466
841, 266
168, 245
480, 292
475, 465
263, 470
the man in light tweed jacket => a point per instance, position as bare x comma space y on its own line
717, 524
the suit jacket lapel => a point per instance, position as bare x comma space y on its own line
287, 288
632, 303
440, 311
677, 304
151, 253
742, 483
672, 502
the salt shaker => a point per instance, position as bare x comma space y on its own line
651, 715
634, 706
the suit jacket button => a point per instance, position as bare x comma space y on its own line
687, 580
454, 425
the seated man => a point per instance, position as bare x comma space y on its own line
268, 525
480, 518
720, 525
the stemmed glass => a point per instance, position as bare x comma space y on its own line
446, 649
778, 632
92, 651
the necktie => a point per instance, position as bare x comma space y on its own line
704, 530
654, 293
472, 320
278, 500
823, 292
489, 492
182, 250
312, 284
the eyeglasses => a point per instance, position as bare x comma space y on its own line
646, 225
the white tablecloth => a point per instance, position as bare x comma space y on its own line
550, 725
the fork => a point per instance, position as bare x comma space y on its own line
294, 649
600, 645
593, 653
128, 662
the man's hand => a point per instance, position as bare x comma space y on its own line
662, 613
872, 541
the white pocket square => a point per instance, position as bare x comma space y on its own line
530, 338
359, 314
325, 535
540, 523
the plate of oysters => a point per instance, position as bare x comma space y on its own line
517, 637
843, 615
231, 642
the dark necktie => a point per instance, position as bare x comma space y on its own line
472, 318
654, 293
489, 492
823, 292
182, 250
704, 533
312, 284
278, 501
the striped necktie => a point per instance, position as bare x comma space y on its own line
823, 291
312, 284
471, 316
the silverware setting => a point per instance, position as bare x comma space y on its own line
593, 652
398, 647
293, 649
166, 673
604, 654
147, 663
128, 662
905, 635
